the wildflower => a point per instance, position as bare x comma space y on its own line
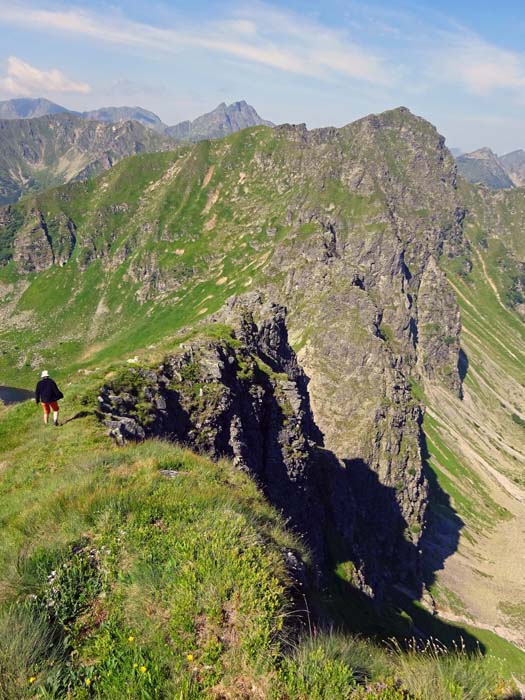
131, 638
143, 669
88, 681
189, 657
32, 679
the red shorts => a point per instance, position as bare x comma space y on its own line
48, 406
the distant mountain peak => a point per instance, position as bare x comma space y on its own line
483, 167
481, 153
514, 164
221, 121
118, 114
29, 108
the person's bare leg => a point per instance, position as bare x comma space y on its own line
55, 417
46, 418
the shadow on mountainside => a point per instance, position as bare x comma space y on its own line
441, 536
220, 403
374, 542
463, 364
11, 394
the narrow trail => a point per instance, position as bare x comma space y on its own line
490, 281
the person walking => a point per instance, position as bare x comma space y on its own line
49, 395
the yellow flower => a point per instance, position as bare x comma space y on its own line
143, 669
131, 638
88, 681
189, 657
32, 679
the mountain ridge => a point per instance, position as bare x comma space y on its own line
382, 259
54, 149
31, 159
219, 122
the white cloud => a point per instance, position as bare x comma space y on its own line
25, 80
258, 33
479, 66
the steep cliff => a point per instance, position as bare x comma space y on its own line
246, 396
243, 396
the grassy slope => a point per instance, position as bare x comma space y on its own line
178, 202
477, 446
120, 582
184, 566
200, 282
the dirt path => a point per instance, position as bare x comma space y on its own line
489, 280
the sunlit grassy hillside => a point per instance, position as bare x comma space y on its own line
151, 572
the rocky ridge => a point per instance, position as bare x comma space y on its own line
223, 120
52, 150
246, 397
348, 229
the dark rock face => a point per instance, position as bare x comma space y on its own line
439, 328
246, 397
44, 242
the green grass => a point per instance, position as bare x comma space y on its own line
469, 496
120, 582
200, 554
193, 566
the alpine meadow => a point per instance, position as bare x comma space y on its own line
289, 463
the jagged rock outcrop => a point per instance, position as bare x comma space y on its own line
246, 397
44, 242
438, 328
243, 397
223, 120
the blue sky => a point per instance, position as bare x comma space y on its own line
459, 64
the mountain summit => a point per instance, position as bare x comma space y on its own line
485, 168
29, 108
222, 121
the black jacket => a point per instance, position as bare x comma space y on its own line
47, 391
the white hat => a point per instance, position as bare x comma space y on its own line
45, 373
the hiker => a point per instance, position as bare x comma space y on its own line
49, 394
